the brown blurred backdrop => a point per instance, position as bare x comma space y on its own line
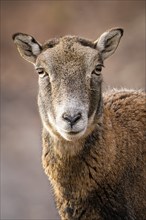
25, 190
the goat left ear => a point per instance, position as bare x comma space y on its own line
108, 42
27, 46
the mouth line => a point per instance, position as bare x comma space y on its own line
74, 132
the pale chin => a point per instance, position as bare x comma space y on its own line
72, 137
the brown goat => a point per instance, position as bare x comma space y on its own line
94, 144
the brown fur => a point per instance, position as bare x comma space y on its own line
107, 179
94, 144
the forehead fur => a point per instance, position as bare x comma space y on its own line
68, 42
69, 49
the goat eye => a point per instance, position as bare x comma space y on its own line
97, 70
41, 72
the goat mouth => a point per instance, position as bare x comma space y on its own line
71, 132
72, 135
74, 132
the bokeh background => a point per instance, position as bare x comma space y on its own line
25, 190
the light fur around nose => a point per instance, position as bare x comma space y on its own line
62, 126
72, 108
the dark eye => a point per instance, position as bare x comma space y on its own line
97, 70
41, 72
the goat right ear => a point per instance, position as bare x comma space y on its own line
27, 46
108, 42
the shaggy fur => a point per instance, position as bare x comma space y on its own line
107, 179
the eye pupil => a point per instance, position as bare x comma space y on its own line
40, 71
97, 70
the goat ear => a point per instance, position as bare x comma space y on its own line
108, 42
27, 46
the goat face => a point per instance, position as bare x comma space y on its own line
70, 80
69, 86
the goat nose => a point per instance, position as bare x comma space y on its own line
71, 119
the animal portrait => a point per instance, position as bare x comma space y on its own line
93, 142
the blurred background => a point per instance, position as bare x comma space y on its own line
25, 190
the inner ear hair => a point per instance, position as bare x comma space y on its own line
108, 42
27, 46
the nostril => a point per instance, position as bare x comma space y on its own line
66, 117
77, 117
72, 119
